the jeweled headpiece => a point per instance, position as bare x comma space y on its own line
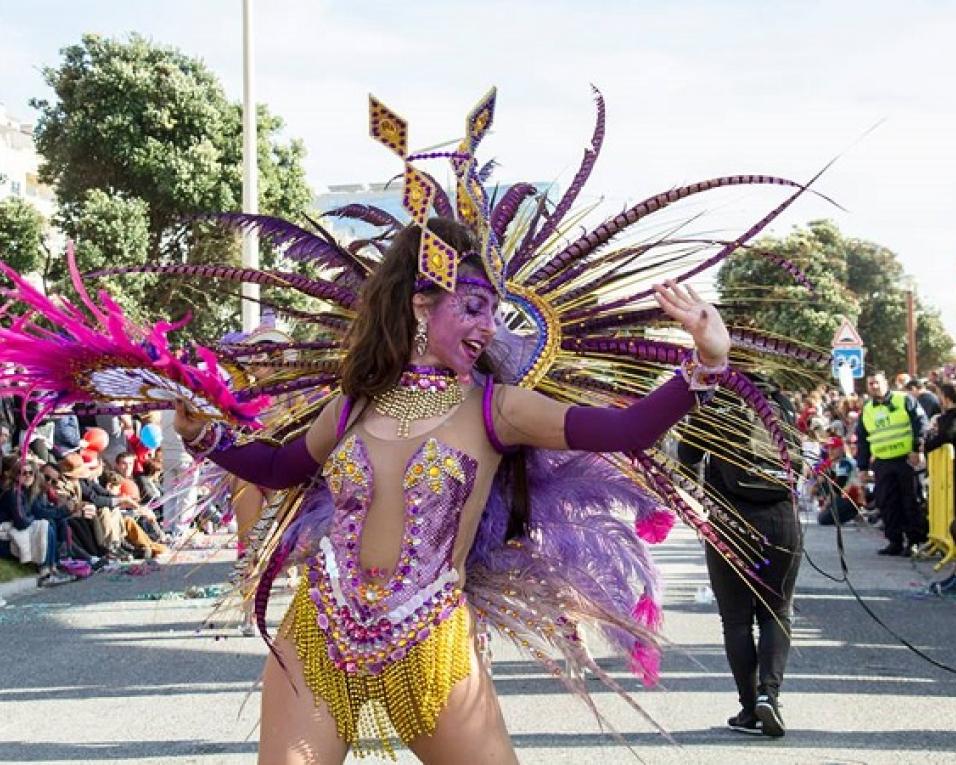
437, 260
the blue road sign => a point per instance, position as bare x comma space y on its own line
851, 356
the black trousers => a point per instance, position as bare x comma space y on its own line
84, 535
895, 494
758, 668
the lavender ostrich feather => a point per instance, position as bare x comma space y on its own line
583, 511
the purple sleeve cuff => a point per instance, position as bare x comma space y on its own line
272, 467
635, 428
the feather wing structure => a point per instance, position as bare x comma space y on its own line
71, 357
578, 324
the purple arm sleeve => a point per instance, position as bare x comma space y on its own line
272, 467
605, 429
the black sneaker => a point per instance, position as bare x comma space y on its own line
768, 713
893, 548
745, 722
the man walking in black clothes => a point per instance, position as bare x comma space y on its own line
889, 436
762, 498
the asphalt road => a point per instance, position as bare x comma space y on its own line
96, 672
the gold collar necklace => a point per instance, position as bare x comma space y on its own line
421, 393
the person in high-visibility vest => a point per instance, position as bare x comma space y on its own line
889, 435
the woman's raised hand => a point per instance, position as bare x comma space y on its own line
186, 424
699, 318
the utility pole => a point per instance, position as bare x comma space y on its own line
910, 335
250, 172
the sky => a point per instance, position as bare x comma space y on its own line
693, 90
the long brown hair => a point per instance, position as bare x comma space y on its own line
379, 342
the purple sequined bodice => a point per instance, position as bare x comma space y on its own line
372, 620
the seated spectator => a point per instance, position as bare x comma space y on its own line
110, 528
35, 539
841, 492
140, 528
64, 482
149, 483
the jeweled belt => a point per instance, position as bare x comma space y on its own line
364, 639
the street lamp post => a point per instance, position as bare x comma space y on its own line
250, 172
910, 334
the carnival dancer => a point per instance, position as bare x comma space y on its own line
409, 452
443, 473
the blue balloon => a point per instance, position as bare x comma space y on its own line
151, 436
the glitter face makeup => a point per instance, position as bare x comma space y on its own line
460, 326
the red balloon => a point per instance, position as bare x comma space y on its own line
96, 439
128, 488
89, 456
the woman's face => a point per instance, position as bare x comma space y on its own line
460, 326
27, 475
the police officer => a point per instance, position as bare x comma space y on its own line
889, 435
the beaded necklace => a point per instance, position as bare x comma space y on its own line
421, 393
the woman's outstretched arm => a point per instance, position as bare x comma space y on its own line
266, 465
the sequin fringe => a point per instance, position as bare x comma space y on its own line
404, 700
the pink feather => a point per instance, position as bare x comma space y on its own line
648, 613
655, 527
646, 663
46, 363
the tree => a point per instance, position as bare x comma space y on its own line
22, 233
153, 131
756, 292
858, 279
934, 345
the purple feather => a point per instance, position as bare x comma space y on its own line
708, 263
776, 346
591, 241
508, 206
298, 243
374, 216
577, 183
633, 347
312, 287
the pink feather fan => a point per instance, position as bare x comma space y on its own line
104, 358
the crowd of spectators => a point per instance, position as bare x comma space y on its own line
840, 472
84, 493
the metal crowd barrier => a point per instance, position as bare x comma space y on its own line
941, 510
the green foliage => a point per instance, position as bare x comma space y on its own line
153, 131
22, 230
759, 293
853, 278
934, 345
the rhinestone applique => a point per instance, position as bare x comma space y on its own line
343, 465
432, 466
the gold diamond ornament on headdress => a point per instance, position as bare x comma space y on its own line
386, 127
438, 261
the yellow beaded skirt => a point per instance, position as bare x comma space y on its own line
404, 699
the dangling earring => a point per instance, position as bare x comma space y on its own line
421, 337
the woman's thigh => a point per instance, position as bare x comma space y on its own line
471, 729
295, 727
